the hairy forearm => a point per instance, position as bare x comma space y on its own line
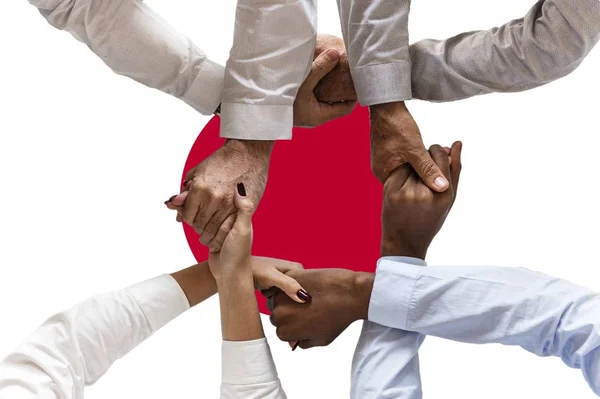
197, 283
240, 319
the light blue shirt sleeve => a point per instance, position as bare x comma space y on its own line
386, 360
513, 306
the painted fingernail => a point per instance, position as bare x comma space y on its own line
170, 199
296, 346
241, 189
440, 182
304, 296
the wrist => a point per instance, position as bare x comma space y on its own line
392, 248
388, 109
361, 294
260, 149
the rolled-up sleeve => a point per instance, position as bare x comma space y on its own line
272, 53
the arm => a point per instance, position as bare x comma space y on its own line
386, 361
247, 365
272, 52
512, 306
548, 43
376, 36
135, 42
76, 347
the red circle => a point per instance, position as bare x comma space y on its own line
322, 205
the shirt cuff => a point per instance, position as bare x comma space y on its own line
256, 122
405, 259
161, 300
392, 292
204, 94
383, 83
247, 362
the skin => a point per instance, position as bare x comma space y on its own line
206, 200
198, 283
395, 136
412, 216
232, 269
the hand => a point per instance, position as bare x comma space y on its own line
235, 255
270, 273
412, 213
396, 140
337, 85
308, 111
340, 297
207, 200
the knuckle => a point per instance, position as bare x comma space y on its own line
282, 334
426, 166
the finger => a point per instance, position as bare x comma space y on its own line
308, 343
179, 218
456, 166
398, 178
216, 244
245, 208
214, 224
287, 284
198, 197
336, 110
321, 66
429, 172
204, 215
441, 159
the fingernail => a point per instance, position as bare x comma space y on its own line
213, 249
241, 189
170, 199
296, 345
440, 182
304, 296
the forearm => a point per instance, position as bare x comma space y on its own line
511, 306
197, 283
76, 347
136, 42
240, 318
376, 36
548, 43
386, 360
271, 55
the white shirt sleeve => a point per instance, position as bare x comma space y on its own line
386, 360
376, 36
248, 371
76, 347
135, 42
273, 48
512, 306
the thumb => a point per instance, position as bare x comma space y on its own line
428, 171
321, 66
287, 284
245, 208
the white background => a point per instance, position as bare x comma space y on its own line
87, 159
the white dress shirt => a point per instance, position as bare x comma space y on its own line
512, 306
76, 347
550, 42
376, 37
271, 55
